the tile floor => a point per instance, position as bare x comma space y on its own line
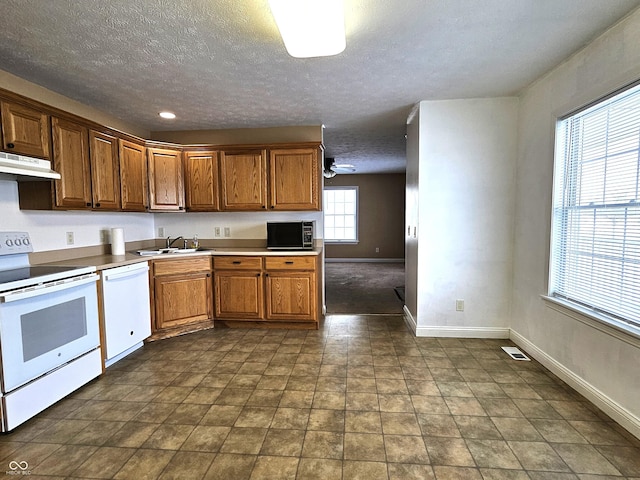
361, 398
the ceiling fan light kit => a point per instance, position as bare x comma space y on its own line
310, 28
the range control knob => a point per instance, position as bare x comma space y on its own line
9, 242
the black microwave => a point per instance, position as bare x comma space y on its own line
290, 235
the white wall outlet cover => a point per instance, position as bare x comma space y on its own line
516, 354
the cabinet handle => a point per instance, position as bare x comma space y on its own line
97, 205
208, 274
10, 145
236, 262
263, 206
266, 274
289, 262
180, 208
88, 204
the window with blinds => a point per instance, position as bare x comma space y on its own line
595, 247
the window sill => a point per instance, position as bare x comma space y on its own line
338, 242
616, 328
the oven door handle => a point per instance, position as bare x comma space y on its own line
48, 288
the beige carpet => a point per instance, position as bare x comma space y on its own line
360, 288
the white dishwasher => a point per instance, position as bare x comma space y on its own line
126, 309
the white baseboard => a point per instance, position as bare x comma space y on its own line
409, 320
617, 412
462, 332
363, 260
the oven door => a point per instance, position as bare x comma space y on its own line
45, 327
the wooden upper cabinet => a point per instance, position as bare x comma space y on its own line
71, 160
133, 176
25, 130
294, 179
201, 181
105, 171
166, 187
243, 180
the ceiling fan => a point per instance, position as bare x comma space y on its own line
331, 168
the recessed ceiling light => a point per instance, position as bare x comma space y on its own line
167, 115
310, 28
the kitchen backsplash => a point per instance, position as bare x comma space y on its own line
50, 230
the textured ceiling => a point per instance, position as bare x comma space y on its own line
221, 63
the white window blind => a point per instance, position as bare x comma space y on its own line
595, 257
340, 214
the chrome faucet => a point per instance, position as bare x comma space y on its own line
171, 242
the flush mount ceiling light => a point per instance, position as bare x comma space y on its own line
310, 28
167, 115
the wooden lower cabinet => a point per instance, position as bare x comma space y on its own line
182, 295
290, 296
267, 291
239, 295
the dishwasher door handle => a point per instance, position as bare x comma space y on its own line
127, 274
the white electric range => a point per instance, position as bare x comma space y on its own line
49, 331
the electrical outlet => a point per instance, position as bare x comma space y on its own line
459, 305
227, 231
161, 232
216, 232
70, 239
377, 250
104, 236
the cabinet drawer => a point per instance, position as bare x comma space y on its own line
181, 266
302, 262
226, 263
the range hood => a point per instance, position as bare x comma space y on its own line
26, 168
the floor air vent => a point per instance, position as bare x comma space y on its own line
516, 354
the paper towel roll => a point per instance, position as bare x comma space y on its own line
117, 241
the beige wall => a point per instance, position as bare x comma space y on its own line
380, 216
36, 92
242, 135
600, 362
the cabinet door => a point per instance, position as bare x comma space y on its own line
238, 295
133, 176
183, 299
294, 178
166, 191
243, 180
25, 130
201, 181
290, 296
105, 171
71, 161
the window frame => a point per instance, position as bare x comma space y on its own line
593, 314
350, 241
